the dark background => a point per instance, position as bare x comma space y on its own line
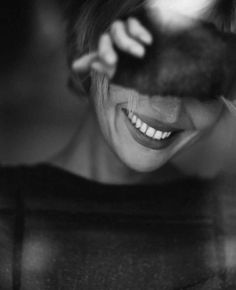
38, 114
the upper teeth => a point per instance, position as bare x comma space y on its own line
147, 130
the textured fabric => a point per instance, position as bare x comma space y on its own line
59, 231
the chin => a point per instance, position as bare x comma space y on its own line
143, 159
143, 163
145, 166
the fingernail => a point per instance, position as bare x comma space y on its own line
75, 64
147, 38
138, 50
111, 59
78, 65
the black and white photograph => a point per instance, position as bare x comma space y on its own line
118, 145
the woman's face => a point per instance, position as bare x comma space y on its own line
157, 129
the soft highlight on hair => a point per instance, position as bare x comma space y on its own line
86, 23
229, 105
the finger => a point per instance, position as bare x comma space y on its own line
106, 50
83, 64
102, 68
124, 42
138, 31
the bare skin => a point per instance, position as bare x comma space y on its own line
130, 37
103, 149
94, 163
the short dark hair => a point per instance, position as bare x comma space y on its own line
88, 19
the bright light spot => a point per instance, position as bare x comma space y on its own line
230, 252
178, 13
38, 254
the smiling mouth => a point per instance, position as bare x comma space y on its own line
151, 136
147, 130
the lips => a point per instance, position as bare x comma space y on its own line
153, 135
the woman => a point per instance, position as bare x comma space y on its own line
189, 118
109, 212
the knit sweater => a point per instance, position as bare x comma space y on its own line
62, 231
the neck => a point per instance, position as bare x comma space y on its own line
88, 155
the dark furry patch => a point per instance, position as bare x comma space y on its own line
199, 63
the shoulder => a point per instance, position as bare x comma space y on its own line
33, 179
41, 186
16, 176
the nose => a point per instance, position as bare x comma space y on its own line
167, 108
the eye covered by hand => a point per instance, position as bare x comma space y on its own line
129, 36
197, 62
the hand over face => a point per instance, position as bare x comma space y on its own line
130, 37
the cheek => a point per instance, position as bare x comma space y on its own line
100, 98
204, 115
106, 101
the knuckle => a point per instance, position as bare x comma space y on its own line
121, 40
101, 54
115, 26
122, 33
132, 25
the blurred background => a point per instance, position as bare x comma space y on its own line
38, 113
